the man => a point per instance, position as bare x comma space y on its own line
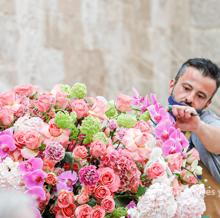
191, 92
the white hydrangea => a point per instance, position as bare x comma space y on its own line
190, 202
10, 176
157, 202
27, 123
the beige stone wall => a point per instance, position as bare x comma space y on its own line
111, 45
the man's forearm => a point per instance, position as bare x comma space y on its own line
209, 137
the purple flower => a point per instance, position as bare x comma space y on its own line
164, 129
55, 152
88, 175
171, 146
34, 178
37, 192
7, 143
180, 137
132, 204
30, 165
67, 180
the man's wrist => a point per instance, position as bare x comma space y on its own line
199, 128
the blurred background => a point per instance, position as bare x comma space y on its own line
110, 45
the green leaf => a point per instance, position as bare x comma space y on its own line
42, 147
92, 202
68, 158
141, 191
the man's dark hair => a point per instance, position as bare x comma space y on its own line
205, 66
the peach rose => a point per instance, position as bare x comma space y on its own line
69, 211
108, 204
83, 197
155, 170
97, 148
101, 192
54, 130
65, 198
83, 211
80, 152
32, 139
123, 103
98, 212
109, 179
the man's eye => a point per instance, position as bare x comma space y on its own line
201, 96
186, 88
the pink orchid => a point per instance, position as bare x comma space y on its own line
31, 165
34, 178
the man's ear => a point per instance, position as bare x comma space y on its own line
172, 83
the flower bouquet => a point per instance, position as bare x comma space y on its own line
81, 156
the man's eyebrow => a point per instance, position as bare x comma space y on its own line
187, 84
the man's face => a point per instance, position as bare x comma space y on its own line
193, 89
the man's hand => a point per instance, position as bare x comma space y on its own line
187, 118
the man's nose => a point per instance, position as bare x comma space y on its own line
190, 98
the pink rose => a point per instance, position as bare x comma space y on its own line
54, 130
98, 212
19, 139
108, 178
175, 161
155, 170
108, 204
192, 155
143, 126
7, 98
80, 152
97, 148
32, 139
99, 108
80, 107
6, 117
61, 100
101, 192
123, 103
83, 211
65, 198
25, 90
44, 102
83, 197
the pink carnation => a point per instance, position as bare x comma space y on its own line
155, 170
88, 175
97, 148
123, 103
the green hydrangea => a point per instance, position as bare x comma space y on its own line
119, 212
78, 90
65, 88
90, 126
74, 133
112, 111
65, 120
145, 116
101, 137
126, 120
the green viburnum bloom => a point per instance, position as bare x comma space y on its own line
112, 111
78, 90
90, 126
65, 120
145, 116
101, 137
126, 120
119, 212
65, 88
